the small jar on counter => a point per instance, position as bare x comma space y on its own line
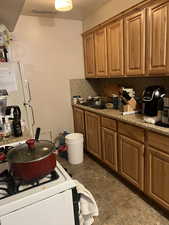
75, 99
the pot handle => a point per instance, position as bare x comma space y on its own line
37, 134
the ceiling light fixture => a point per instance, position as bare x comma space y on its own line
63, 5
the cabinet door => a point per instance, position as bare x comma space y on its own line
109, 146
135, 44
93, 134
101, 52
158, 176
115, 48
89, 55
131, 161
158, 39
79, 125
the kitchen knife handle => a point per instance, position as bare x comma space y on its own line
37, 134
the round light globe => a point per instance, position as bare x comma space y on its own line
63, 5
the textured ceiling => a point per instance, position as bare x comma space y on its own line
81, 8
10, 11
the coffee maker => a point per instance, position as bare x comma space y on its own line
152, 100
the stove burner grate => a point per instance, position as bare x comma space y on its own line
12, 184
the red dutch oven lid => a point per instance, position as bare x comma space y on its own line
31, 151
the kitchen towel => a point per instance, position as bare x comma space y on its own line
87, 205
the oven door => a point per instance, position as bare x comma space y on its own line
56, 210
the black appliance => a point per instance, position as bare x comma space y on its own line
153, 100
16, 119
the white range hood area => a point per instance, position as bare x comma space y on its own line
9, 12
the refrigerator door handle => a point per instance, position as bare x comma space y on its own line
33, 115
26, 81
32, 112
29, 92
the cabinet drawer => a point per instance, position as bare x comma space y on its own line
109, 123
131, 131
158, 141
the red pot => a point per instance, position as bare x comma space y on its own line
32, 160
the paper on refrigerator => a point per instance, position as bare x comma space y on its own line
8, 79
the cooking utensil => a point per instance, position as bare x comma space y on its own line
37, 134
32, 160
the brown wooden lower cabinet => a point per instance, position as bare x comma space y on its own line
93, 134
158, 176
79, 124
131, 160
128, 155
109, 148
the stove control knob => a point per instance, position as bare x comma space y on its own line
2, 158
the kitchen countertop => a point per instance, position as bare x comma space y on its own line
134, 119
12, 139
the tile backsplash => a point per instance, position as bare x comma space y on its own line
82, 87
104, 87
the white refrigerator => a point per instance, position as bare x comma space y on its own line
12, 79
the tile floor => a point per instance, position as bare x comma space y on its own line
118, 205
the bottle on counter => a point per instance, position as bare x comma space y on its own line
7, 127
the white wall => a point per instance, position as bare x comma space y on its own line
51, 52
108, 10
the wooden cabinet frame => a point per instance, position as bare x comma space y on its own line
143, 40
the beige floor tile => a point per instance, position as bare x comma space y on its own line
118, 205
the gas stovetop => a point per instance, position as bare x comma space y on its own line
29, 194
9, 185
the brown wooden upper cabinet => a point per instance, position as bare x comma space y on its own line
115, 48
101, 52
158, 39
89, 55
134, 31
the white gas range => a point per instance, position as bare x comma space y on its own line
53, 202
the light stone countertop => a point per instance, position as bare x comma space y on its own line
12, 139
134, 119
